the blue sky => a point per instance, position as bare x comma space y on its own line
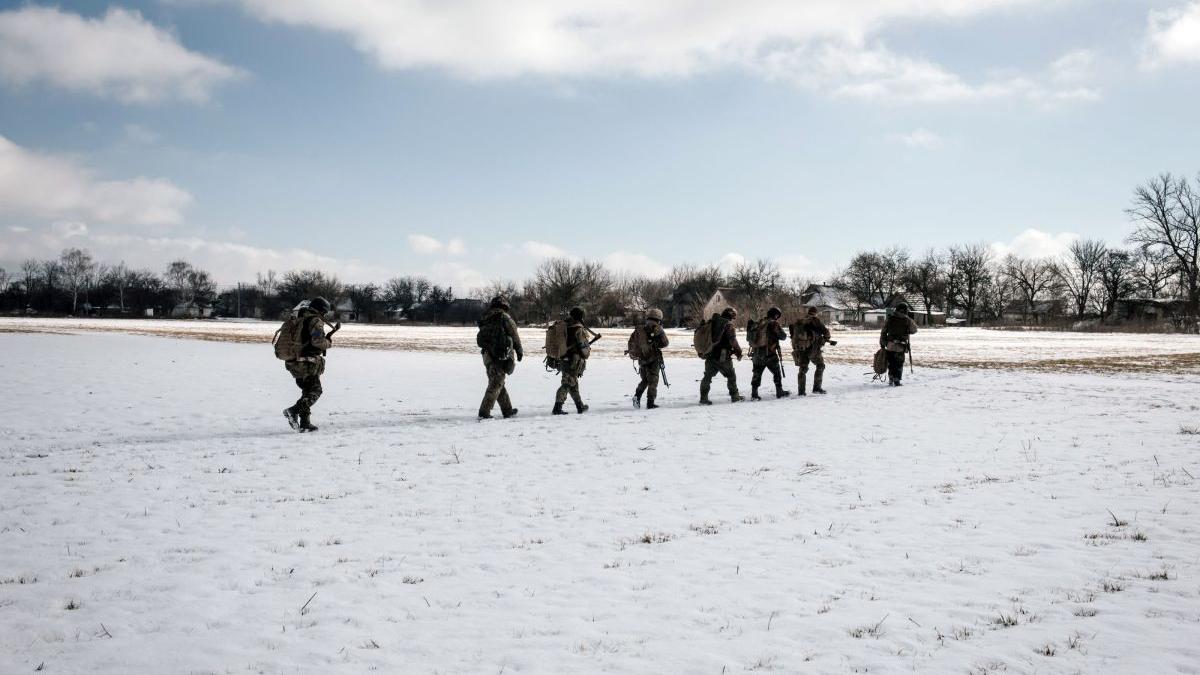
468, 140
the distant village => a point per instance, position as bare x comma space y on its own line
1091, 287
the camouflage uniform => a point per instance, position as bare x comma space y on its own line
308, 368
650, 361
894, 341
720, 360
573, 365
809, 335
499, 368
767, 358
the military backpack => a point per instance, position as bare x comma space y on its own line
493, 339
289, 339
880, 364
639, 344
556, 344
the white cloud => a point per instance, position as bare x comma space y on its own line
424, 244
1173, 36
823, 45
731, 260
635, 263
45, 186
136, 133
119, 55
1034, 243
462, 278
1074, 66
540, 249
427, 245
228, 261
919, 138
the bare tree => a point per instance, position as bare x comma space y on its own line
997, 294
759, 282
1166, 216
266, 283
874, 276
298, 285
31, 270
3, 280
561, 283
1116, 279
1033, 277
969, 271
693, 286
1153, 269
1079, 271
926, 278
119, 276
76, 265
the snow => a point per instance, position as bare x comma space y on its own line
152, 485
945, 346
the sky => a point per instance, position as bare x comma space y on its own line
468, 140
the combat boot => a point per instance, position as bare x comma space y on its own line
780, 392
736, 398
637, 400
292, 417
580, 407
818, 390
754, 394
650, 404
485, 415
306, 424
510, 413
558, 409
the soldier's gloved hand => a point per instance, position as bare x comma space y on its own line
520, 355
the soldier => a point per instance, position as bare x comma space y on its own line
646, 345
310, 364
894, 341
499, 342
574, 363
720, 357
809, 335
766, 355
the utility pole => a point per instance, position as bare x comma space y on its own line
239, 299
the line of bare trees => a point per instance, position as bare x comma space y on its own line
1089, 280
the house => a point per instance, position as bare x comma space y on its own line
833, 305
1039, 313
931, 316
191, 310
1150, 309
345, 311
729, 297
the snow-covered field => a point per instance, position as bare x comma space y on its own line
957, 347
157, 515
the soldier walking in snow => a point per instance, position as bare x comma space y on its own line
809, 335
646, 345
302, 343
499, 342
720, 358
766, 354
893, 339
574, 363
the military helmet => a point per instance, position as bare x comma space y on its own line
812, 310
319, 304
774, 313
655, 314
729, 313
577, 313
902, 308
499, 302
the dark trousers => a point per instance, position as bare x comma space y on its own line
895, 361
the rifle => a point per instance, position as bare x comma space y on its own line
596, 335
779, 353
662, 368
908, 348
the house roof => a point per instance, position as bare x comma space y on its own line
828, 296
916, 304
